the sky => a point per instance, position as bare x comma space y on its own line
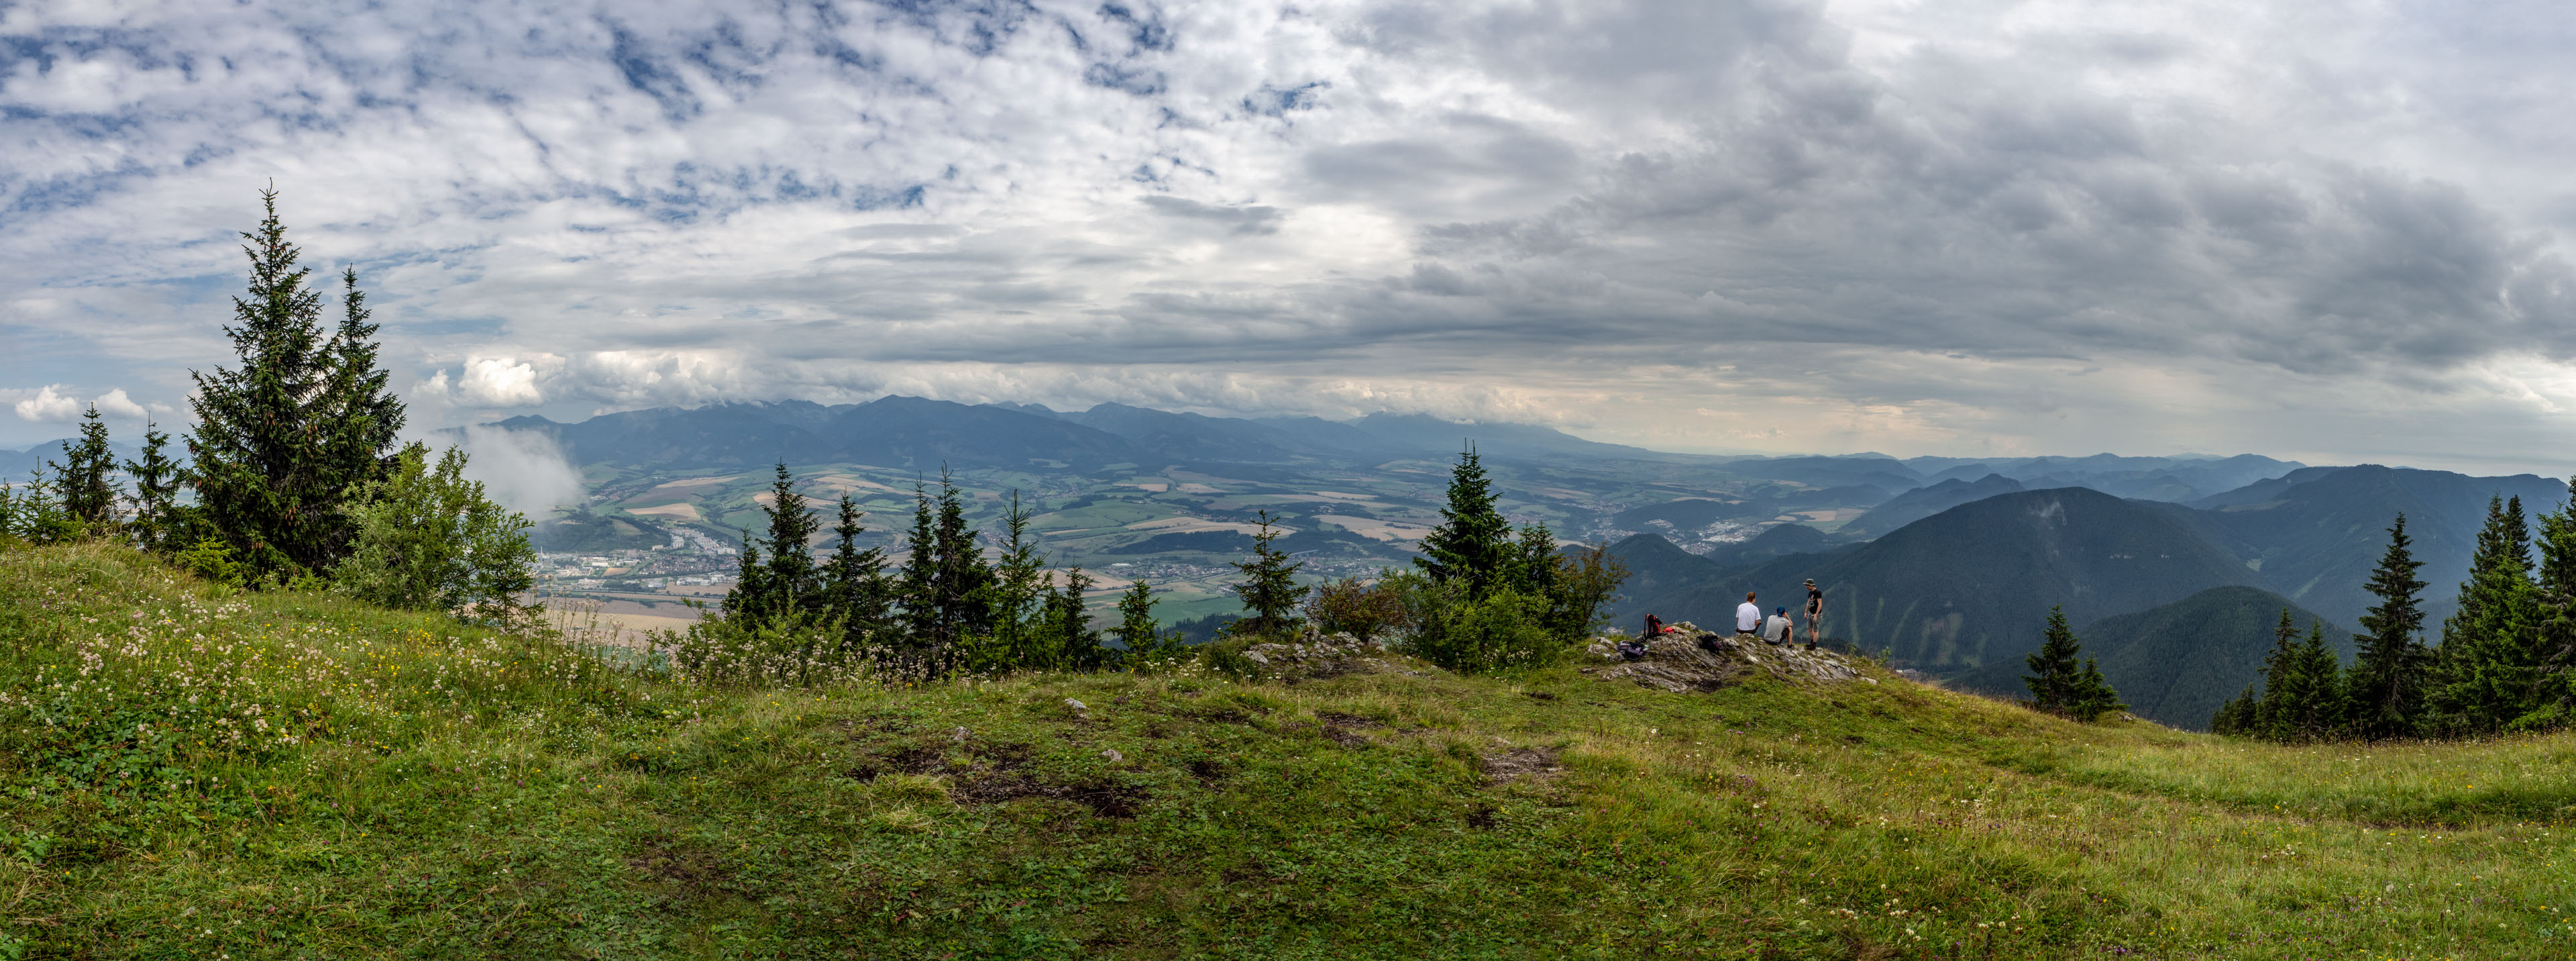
2334, 232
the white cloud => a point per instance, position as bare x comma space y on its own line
114, 403
522, 470
49, 404
1865, 210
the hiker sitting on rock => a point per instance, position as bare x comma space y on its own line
1748, 615
1777, 630
1654, 626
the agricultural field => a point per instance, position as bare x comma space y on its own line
1175, 528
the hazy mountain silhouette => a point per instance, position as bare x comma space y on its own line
918, 433
1922, 502
14, 464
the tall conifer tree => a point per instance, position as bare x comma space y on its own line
1137, 630
790, 583
158, 523
2281, 683
1269, 587
2385, 687
361, 418
855, 586
87, 484
918, 585
2486, 672
275, 452
1473, 542
2554, 582
1018, 592
2058, 684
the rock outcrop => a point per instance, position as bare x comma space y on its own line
1685, 658
1315, 656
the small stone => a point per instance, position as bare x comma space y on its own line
1256, 657
1076, 705
1113, 755
958, 735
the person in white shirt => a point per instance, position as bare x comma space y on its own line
1776, 630
1747, 615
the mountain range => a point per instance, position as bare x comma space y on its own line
1964, 591
911, 432
15, 464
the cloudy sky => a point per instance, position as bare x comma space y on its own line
2330, 231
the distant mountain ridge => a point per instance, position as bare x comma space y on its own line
15, 464
913, 432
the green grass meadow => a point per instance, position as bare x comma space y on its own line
188, 773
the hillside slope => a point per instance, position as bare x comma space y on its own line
2316, 533
189, 773
2176, 663
1973, 585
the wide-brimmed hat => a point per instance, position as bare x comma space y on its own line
1811, 582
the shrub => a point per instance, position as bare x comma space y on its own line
1502, 630
211, 560
1351, 606
793, 648
427, 539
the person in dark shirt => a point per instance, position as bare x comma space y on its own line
1815, 613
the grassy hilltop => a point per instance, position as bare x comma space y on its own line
187, 773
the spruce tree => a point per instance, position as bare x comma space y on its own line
2058, 684
854, 582
1531, 565
2236, 717
1269, 586
2319, 712
273, 456
918, 582
2385, 686
2053, 669
1473, 542
965, 579
2092, 696
1070, 636
1022, 637
2554, 584
948, 588
87, 485
2486, 672
790, 584
795, 580
158, 522
2282, 683
361, 418
1137, 630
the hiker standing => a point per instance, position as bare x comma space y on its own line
1815, 613
1748, 615
1654, 626
1776, 630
